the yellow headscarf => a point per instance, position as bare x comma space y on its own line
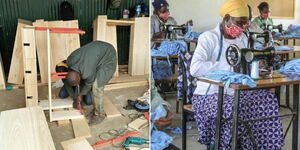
235, 8
62, 64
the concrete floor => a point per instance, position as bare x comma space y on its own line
192, 143
16, 99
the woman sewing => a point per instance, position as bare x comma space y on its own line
209, 56
263, 20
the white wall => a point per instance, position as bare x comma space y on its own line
205, 13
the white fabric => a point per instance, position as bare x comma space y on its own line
205, 56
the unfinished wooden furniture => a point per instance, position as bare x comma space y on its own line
29, 52
105, 30
62, 45
16, 74
25, 129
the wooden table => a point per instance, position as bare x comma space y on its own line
285, 39
286, 54
187, 41
263, 83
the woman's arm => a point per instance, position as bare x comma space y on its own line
202, 59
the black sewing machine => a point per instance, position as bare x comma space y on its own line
241, 59
266, 36
272, 27
170, 30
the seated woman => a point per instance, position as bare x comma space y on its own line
209, 56
264, 18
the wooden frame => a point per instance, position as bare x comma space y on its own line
105, 30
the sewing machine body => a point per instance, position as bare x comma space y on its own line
170, 30
241, 59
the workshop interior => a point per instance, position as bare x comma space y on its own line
149, 75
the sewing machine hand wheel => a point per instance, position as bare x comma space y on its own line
233, 55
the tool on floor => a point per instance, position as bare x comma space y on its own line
134, 140
146, 114
142, 106
101, 143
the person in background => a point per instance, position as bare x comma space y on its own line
161, 15
210, 56
264, 18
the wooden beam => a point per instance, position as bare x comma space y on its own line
125, 85
41, 47
76, 144
57, 103
81, 128
111, 37
16, 70
110, 109
128, 78
25, 129
119, 22
66, 115
30, 69
139, 47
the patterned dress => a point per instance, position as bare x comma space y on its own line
254, 104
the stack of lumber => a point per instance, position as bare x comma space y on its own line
61, 46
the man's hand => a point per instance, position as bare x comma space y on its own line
77, 101
162, 122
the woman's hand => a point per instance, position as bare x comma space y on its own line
162, 122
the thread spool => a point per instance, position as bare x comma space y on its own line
255, 70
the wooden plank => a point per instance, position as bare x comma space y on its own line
111, 37
110, 109
58, 46
66, 115
125, 85
2, 76
81, 128
119, 22
41, 47
25, 129
76, 144
61, 123
139, 47
30, 69
72, 40
139, 123
100, 28
16, 74
57, 103
128, 78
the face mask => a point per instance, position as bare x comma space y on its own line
165, 15
234, 30
265, 15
